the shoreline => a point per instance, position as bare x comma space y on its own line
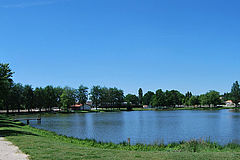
121, 110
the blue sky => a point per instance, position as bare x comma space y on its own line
169, 44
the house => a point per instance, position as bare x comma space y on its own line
229, 103
147, 106
89, 103
80, 107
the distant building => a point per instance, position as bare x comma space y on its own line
147, 106
89, 103
80, 107
229, 103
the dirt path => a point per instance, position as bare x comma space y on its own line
10, 152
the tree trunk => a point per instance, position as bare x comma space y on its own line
7, 109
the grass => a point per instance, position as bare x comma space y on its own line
41, 144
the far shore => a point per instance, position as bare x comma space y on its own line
33, 111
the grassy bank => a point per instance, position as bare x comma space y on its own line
40, 144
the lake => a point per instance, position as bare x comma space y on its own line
148, 127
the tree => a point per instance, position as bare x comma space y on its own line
188, 95
68, 98
119, 97
28, 97
58, 92
212, 97
186, 99
140, 95
39, 98
159, 98
16, 96
95, 95
173, 98
147, 98
5, 84
227, 96
104, 98
108, 97
116, 97
50, 97
178, 97
235, 93
202, 99
194, 100
131, 99
82, 95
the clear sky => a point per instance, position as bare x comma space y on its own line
188, 45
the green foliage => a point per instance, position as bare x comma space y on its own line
175, 98
50, 97
5, 85
82, 94
159, 99
131, 99
227, 96
106, 97
186, 99
140, 95
211, 98
147, 98
194, 101
95, 96
117, 96
39, 98
235, 93
68, 98
16, 98
28, 97
5, 73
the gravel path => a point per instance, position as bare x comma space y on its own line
10, 152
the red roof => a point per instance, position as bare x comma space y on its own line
76, 105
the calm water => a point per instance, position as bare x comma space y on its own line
146, 127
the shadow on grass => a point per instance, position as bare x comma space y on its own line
8, 125
9, 132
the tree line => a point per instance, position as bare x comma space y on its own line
174, 98
15, 96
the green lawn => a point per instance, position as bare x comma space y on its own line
40, 144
